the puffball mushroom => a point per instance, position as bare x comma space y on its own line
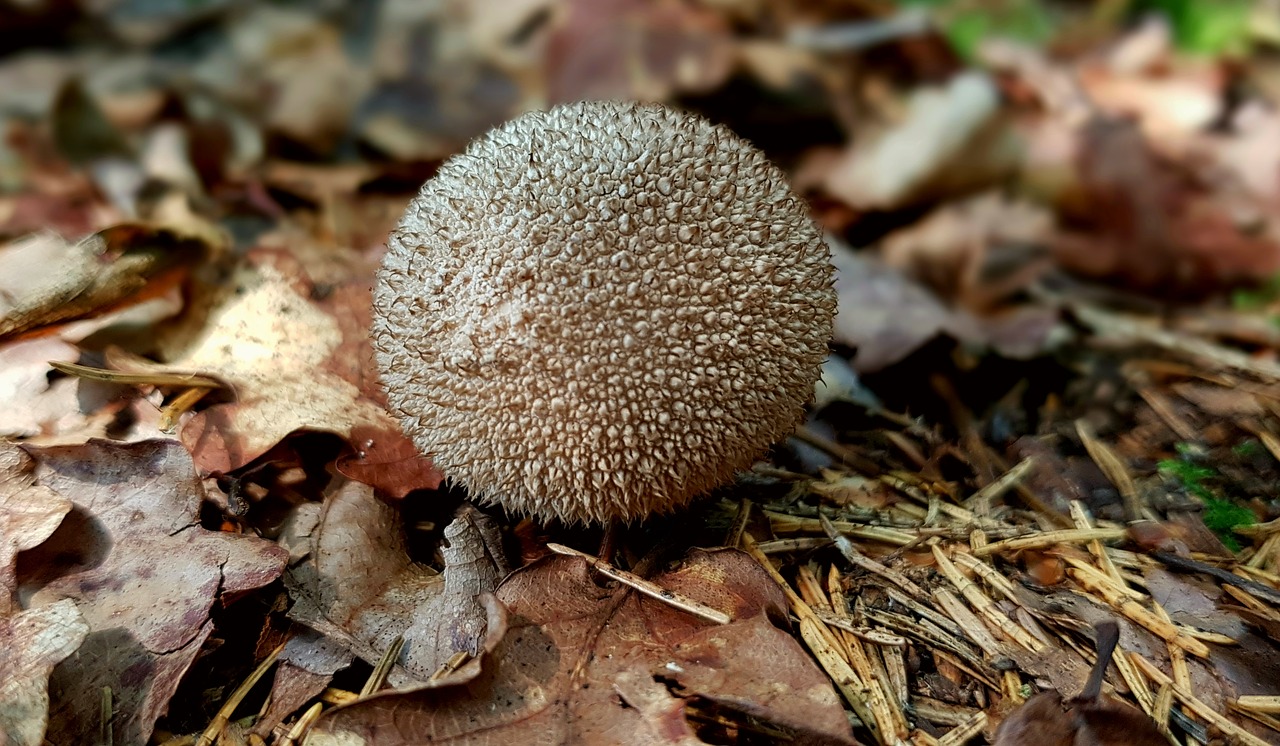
602, 311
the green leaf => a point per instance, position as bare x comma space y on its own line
1206, 26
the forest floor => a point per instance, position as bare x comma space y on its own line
1053, 401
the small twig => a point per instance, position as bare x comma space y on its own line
1195, 705
733, 537
984, 606
185, 380
858, 559
105, 734
1230, 578
223, 717
778, 546
303, 725
965, 732
1049, 538
652, 590
451, 666
380, 672
1007, 481
1113, 468
1258, 703
180, 405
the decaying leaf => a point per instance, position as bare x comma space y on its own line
361, 588
33, 641
29, 514
952, 140
104, 269
294, 362
132, 558
636, 49
586, 664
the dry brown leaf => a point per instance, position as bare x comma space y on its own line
361, 588
1091, 718
307, 665
133, 558
636, 49
885, 314
589, 664
1153, 224
113, 266
1193, 602
1170, 97
29, 514
34, 642
31, 402
297, 357
951, 141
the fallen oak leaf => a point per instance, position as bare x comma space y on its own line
133, 558
583, 664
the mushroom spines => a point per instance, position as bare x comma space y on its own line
601, 311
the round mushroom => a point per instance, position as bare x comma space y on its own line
602, 311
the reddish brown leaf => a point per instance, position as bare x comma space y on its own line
297, 355
29, 514
586, 664
142, 572
636, 49
34, 641
1091, 718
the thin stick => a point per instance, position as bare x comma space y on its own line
223, 717
733, 537
380, 672
158, 378
1202, 710
303, 725
1049, 538
652, 590
964, 732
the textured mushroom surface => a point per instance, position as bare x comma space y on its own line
602, 311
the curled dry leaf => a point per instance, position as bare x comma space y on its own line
34, 641
107, 268
586, 664
297, 356
307, 665
361, 587
132, 557
59, 409
951, 140
29, 514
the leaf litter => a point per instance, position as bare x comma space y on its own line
1052, 404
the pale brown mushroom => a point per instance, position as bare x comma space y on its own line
602, 311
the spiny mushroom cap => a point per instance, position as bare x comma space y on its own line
602, 311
